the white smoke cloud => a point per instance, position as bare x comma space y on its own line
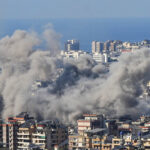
74, 86
52, 39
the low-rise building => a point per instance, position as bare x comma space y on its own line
78, 141
73, 54
90, 121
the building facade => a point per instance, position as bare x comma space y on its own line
72, 45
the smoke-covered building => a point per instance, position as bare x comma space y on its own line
112, 127
89, 126
73, 54
90, 121
100, 58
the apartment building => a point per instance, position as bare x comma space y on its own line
48, 134
24, 134
78, 141
9, 130
101, 142
90, 125
90, 121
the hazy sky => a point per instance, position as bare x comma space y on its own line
73, 8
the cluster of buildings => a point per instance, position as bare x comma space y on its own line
111, 46
104, 47
91, 132
96, 132
25, 133
72, 50
102, 52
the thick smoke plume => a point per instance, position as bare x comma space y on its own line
71, 87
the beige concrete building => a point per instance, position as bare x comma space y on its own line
79, 142
10, 129
97, 47
24, 134
90, 121
100, 143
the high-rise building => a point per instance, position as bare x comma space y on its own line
93, 46
101, 46
97, 47
107, 45
72, 45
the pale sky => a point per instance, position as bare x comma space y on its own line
40, 9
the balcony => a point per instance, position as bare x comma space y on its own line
39, 138
38, 134
23, 137
23, 133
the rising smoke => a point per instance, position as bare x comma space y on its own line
73, 87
